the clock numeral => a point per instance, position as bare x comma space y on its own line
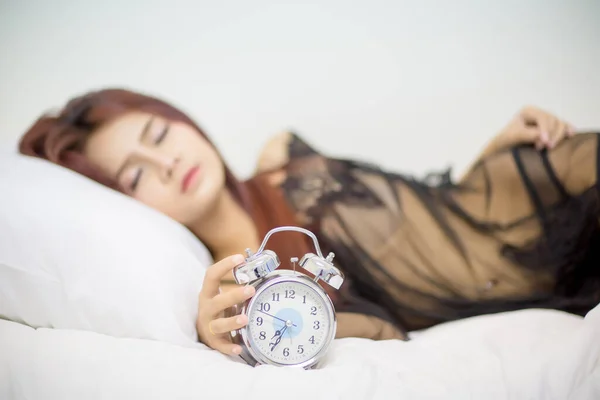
304, 299
312, 340
286, 352
262, 335
275, 296
300, 349
313, 310
264, 307
316, 325
259, 321
290, 294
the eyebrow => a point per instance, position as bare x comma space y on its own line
141, 138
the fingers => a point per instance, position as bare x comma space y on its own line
531, 115
558, 134
542, 138
220, 326
216, 272
560, 131
230, 298
212, 327
216, 333
531, 134
549, 130
535, 123
226, 347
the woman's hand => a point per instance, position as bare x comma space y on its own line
213, 328
533, 126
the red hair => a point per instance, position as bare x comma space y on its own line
59, 139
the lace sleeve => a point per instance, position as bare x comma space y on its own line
315, 181
307, 179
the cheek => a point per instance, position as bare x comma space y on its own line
215, 168
161, 200
183, 209
208, 155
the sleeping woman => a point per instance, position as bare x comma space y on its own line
518, 230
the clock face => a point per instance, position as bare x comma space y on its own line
289, 322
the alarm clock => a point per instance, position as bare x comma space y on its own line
291, 319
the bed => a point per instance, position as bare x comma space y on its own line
84, 316
531, 354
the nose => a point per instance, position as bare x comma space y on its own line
165, 164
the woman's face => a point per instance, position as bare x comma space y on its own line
164, 164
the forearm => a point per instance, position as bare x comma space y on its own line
492, 147
366, 326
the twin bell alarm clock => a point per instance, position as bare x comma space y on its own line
291, 319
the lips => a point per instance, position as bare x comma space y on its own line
189, 178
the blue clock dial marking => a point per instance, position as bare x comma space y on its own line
292, 315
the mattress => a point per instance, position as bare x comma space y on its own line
529, 354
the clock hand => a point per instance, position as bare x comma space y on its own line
272, 316
278, 339
277, 333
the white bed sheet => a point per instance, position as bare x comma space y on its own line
530, 354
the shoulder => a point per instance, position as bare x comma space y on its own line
280, 150
274, 153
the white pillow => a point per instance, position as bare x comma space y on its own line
75, 254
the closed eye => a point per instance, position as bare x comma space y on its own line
136, 179
162, 135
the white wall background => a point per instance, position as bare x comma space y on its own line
413, 85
